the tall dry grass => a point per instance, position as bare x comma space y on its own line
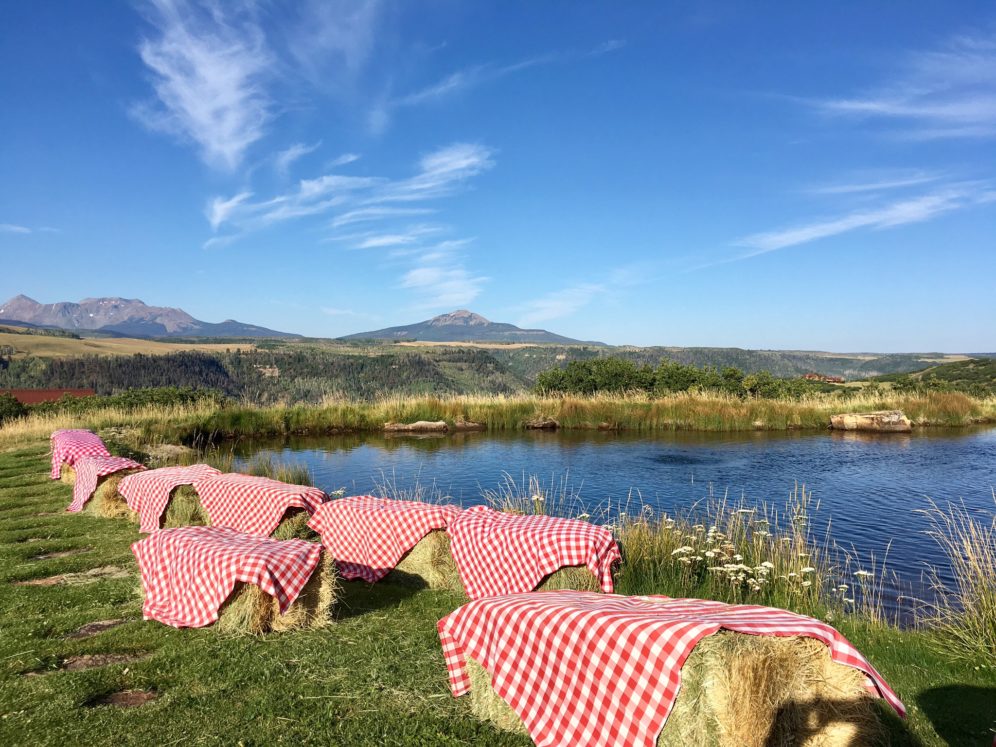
722, 549
204, 423
965, 606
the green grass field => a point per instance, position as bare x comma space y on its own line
375, 677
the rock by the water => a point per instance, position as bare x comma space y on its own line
883, 421
542, 424
419, 426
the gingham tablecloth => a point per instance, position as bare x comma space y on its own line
254, 505
147, 493
89, 469
498, 553
593, 669
367, 536
188, 572
68, 446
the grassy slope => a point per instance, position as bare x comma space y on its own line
376, 677
46, 346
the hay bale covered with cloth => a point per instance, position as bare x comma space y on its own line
771, 676
499, 553
151, 494
375, 538
197, 576
70, 445
95, 489
247, 503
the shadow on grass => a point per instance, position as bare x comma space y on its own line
961, 714
847, 720
357, 598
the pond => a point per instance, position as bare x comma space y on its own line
870, 487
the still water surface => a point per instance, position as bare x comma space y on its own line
871, 486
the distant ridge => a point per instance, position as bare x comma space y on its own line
127, 317
466, 326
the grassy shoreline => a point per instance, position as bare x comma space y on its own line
206, 422
376, 676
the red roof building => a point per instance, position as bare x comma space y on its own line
34, 396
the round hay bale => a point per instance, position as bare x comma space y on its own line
250, 610
576, 577
746, 690
106, 501
67, 474
429, 565
184, 509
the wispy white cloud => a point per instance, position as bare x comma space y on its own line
285, 158
219, 209
332, 40
439, 174
559, 303
11, 228
948, 92
474, 76
342, 160
443, 286
876, 182
376, 214
209, 64
333, 311
895, 213
569, 300
607, 46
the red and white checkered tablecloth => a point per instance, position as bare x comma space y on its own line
89, 469
498, 553
250, 504
147, 493
367, 536
188, 572
594, 669
70, 445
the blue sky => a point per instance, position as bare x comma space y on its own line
795, 175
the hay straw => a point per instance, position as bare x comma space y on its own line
576, 577
67, 474
106, 501
184, 509
746, 690
250, 610
429, 564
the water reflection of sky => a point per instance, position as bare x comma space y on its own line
871, 486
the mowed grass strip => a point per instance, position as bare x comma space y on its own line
377, 678
374, 678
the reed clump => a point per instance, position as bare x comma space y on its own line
964, 610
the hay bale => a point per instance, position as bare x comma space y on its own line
106, 501
250, 610
429, 564
576, 577
67, 474
185, 510
294, 525
746, 690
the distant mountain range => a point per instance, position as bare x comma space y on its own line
466, 326
127, 317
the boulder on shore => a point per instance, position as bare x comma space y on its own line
419, 426
542, 423
883, 421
